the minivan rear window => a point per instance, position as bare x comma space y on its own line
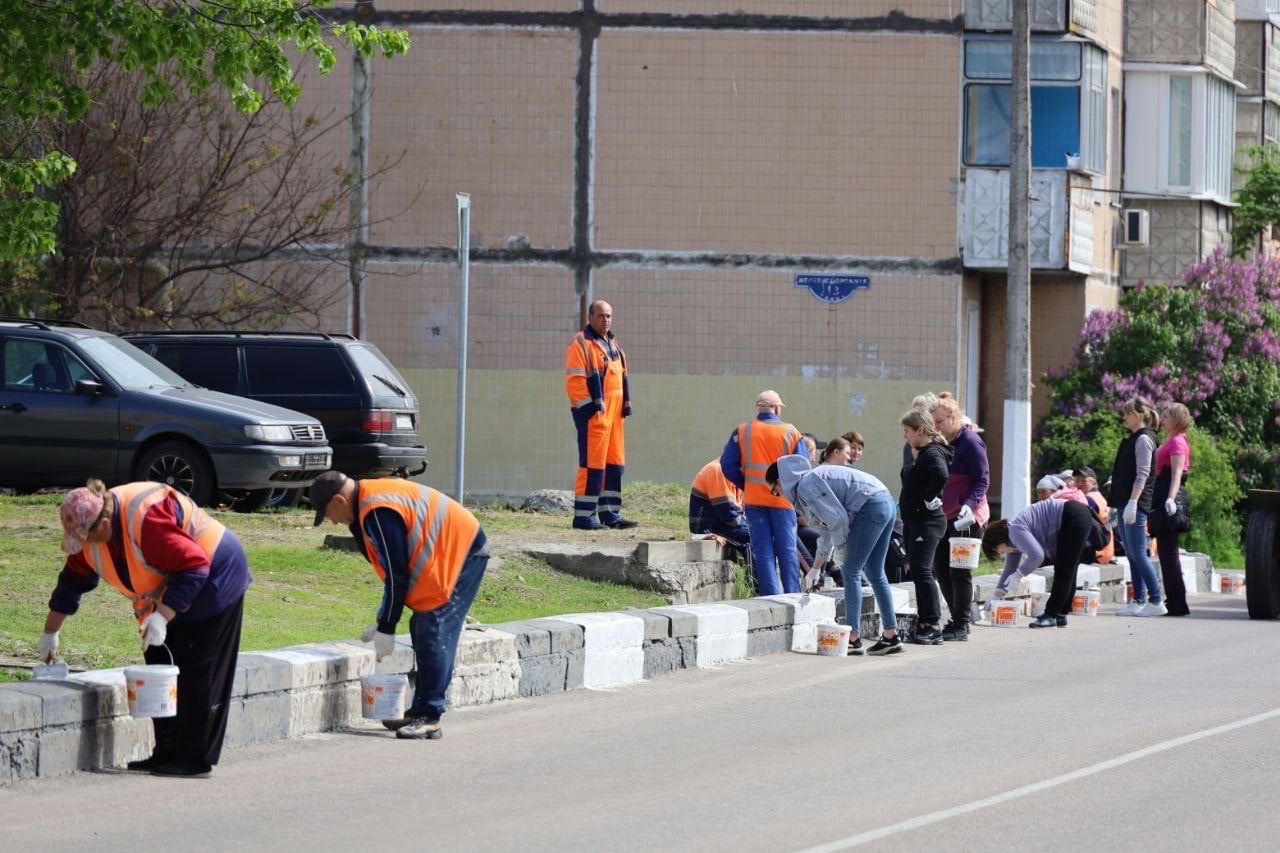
297, 370
378, 371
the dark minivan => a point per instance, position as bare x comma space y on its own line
370, 415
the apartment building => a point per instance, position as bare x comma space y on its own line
809, 196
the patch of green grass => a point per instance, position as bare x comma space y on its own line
302, 591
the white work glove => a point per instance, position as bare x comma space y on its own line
367, 636
931, 505
965, 519
153, 630
1013, 586
1170, 506
383, 645
48, 646
997, 594
1130, 512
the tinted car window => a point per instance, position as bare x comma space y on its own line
209, 367
20, 359
371, 364
296, 370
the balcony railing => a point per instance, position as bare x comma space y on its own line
1062, 220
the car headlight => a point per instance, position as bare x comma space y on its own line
289, 462
265, 432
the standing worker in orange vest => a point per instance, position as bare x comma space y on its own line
186, 575
595, 378
431, 554
751, 449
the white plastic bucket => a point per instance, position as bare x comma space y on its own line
964, 552
833, 640
1004, 614
383, 696
1085, 602
152, 690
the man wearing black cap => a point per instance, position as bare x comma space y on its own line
1086, 480
431, 554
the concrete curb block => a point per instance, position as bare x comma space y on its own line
48, 728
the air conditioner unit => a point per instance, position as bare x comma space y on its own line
1136, 230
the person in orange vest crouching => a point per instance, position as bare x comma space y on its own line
771, 519
186, 575
431, 554
595, 378
715, 507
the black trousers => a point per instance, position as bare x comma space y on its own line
922, 538
956, 584
1175, 590
1073, 536
205, 653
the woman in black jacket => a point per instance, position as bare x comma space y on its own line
920, 504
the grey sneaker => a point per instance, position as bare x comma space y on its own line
420, 728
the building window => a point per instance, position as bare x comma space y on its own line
1179, 132
1068, 103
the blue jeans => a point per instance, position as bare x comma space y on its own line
1146, 587
773, 548
435, 640
869, 532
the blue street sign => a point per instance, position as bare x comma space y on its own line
833, 288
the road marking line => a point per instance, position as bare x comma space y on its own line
1035, 787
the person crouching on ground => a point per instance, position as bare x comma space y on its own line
431, 554
715, 507
186, 575
846, 506
1050, 528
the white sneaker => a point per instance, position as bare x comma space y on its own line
1130, 609
1150, 609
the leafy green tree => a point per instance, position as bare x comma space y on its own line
1258, 198
49, 47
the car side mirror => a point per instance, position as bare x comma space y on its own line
89, 387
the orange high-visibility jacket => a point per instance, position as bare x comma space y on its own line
713, 499
761, 443
147, 582
441, 532
586, 363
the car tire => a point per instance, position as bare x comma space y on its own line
256, 499
1262, 565
180, 465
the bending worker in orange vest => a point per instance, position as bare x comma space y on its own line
431, 554
595, 378
751, 449
186, 575
715, 506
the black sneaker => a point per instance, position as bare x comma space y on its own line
954, 633
1047, 621
855, 648
182, 769
886, 646
927, 636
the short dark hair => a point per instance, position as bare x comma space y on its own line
995, 536
771, 473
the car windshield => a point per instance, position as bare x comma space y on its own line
129, 366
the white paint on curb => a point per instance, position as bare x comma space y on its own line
613, 648
721, 633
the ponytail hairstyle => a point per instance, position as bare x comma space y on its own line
1143, 409
837, 443
99, 488
921, 419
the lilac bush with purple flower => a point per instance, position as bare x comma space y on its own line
1212, 343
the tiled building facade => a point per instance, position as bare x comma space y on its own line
686, 160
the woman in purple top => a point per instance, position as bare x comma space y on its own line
1132, 479
1169, 516
964, 504
1051, 528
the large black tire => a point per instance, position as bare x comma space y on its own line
181, 465
256, 499
1262, 566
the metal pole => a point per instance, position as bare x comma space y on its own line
1015, 488
358, 228
464, 283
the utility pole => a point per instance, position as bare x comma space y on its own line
464, 288
1015, 486
358, 234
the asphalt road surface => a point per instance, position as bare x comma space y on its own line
1114, 733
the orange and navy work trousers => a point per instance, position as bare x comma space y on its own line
601, 460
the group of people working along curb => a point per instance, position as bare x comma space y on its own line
945, 476
187, 576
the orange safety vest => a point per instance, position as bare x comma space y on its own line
441, 532
1107, 553
590, 373
761, 443
147, 583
